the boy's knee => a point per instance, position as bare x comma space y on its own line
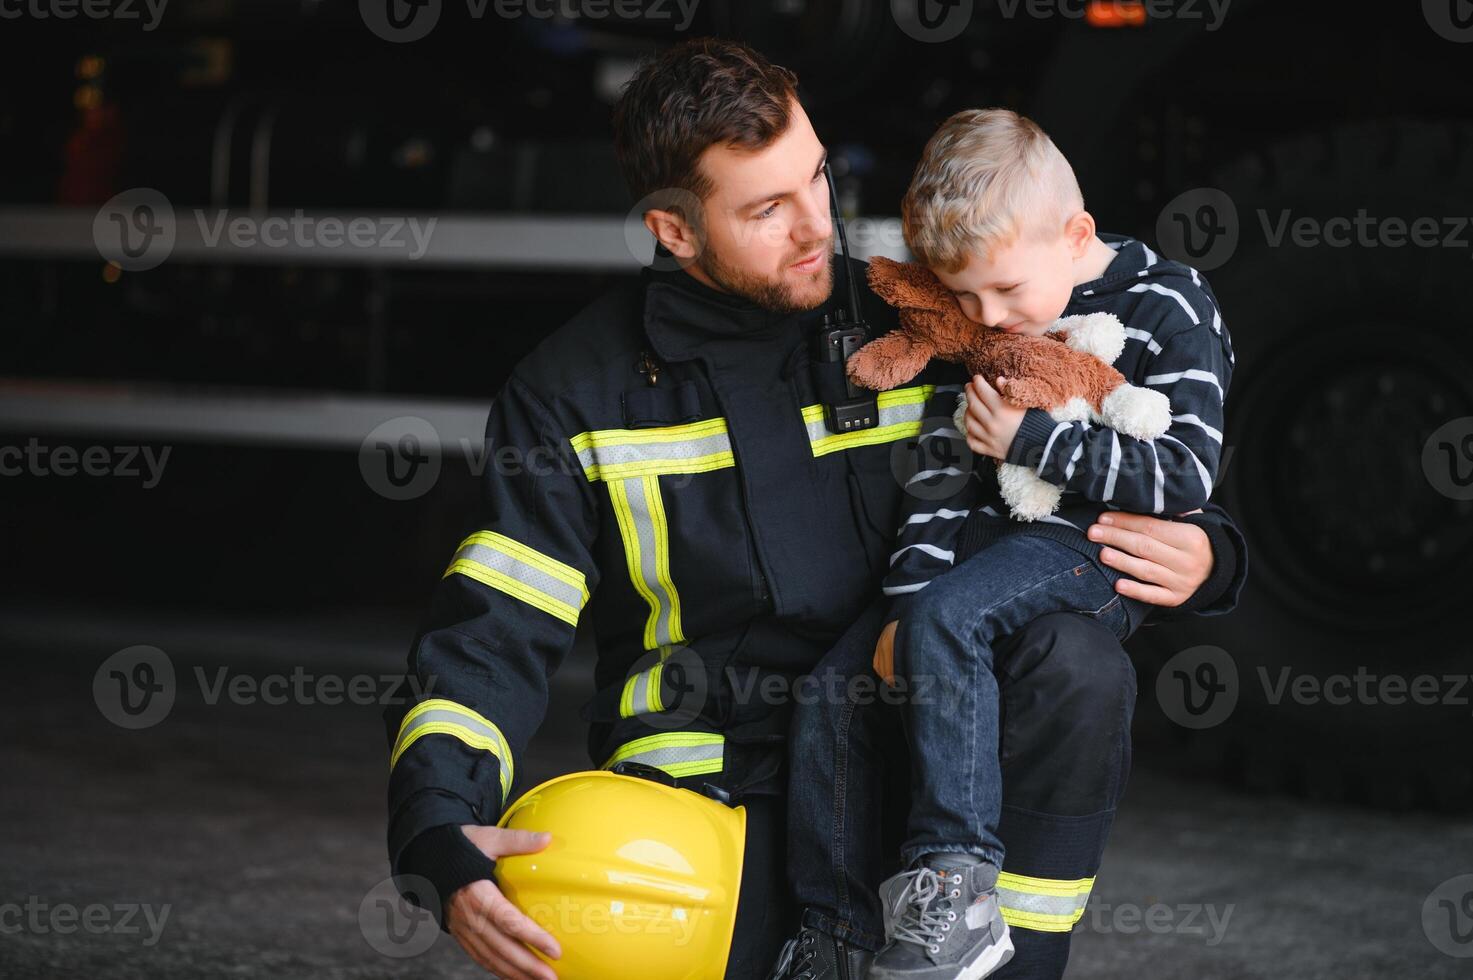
927, 615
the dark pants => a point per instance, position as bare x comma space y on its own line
1066, 694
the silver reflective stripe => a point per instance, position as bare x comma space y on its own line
439, 716
662, 758
528, 575
522, 572
1060, 905
642, 693
604, 457
818, 432
640, 511
619, 454
677, 753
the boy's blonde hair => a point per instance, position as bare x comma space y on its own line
986, 178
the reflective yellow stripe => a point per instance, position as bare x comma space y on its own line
513, 588
523, 573
662, 557
1042, 904
641, 694
639, 511
438, 716
531, 556
626, 697
677, 753
901, 411
657, 674
621, 454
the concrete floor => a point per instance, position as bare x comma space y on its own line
257, 831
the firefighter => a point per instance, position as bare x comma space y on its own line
662, 466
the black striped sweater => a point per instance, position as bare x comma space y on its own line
1176, 343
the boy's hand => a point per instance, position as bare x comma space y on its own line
885, 653
992, 420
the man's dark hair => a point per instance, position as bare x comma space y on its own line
696, 94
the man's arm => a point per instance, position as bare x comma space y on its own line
501, 620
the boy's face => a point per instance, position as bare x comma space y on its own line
1021, 288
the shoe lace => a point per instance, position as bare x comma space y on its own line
796, 960
919, 918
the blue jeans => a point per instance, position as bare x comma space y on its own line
1067, 692
945, 642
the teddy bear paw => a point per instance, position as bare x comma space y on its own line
1028, 496
1100, 335
959, 417
1137, 412
1075, 409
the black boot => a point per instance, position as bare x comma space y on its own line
816, 955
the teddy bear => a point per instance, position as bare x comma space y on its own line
1066, 372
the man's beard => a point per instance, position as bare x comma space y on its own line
775, 296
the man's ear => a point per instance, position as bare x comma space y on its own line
889, 361
673, 231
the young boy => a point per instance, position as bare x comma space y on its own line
995, 211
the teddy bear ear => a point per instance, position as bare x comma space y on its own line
908, 285
926, 292
884, 278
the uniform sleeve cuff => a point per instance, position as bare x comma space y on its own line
446, 858
1223, 582
1032, 435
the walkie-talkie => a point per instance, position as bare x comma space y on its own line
846, 406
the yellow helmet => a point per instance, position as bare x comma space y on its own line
640, 879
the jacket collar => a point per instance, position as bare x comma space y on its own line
686, 319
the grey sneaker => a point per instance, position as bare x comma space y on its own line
816, 955
943, 924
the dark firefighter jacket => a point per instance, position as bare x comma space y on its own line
660, 472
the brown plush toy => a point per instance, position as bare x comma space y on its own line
1065, 372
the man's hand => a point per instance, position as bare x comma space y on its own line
992, 420
1169, 559
488, 926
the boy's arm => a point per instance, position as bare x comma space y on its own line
1172, 474
941, 489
